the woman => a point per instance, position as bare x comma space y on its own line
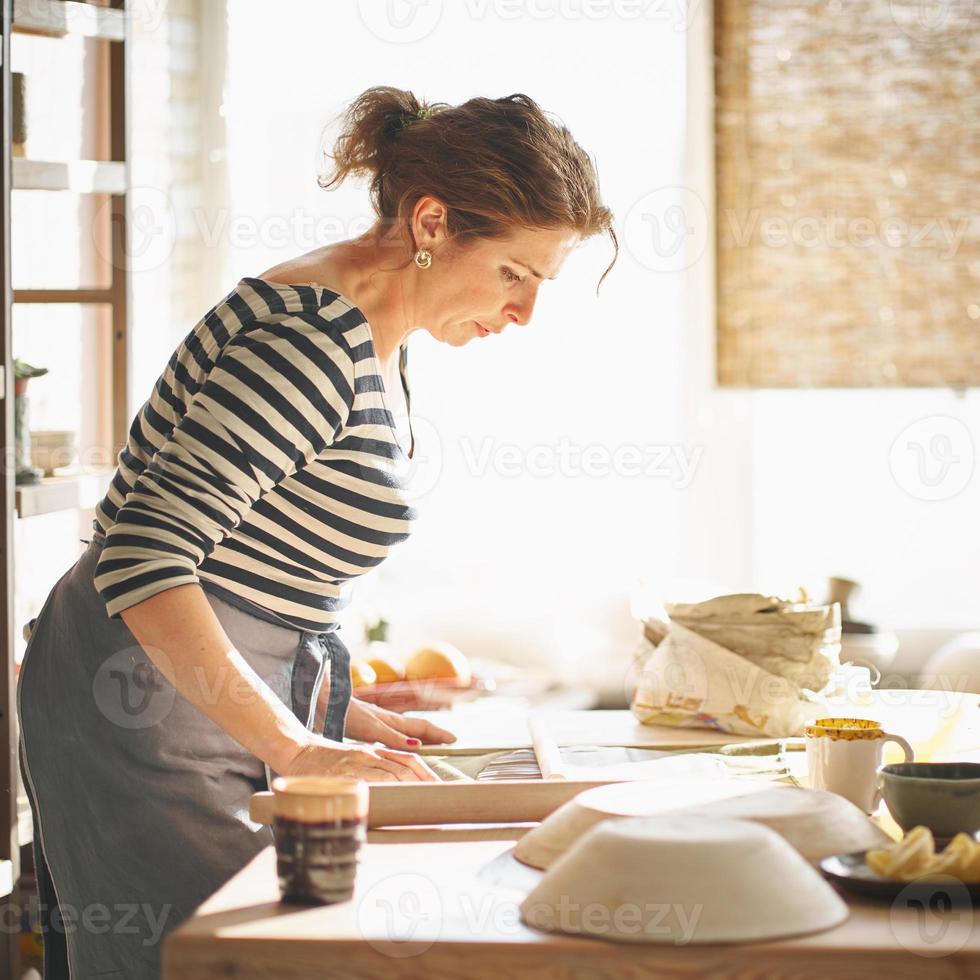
180, 662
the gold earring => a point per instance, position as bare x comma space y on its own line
423, 258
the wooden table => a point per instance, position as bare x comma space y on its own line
448, 908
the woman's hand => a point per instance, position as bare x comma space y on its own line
369, 723
324, 757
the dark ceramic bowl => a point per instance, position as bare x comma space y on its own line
943, 796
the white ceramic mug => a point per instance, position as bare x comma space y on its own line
843, 755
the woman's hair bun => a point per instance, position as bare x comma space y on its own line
497, 164
370, 126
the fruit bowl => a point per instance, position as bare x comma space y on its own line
428, 694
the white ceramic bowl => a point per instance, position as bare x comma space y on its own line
541, 846
815, 823
682, 879
53, 448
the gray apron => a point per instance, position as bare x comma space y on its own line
140, 802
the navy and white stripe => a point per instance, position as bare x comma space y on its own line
265, 461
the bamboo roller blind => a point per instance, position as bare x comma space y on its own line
848, 192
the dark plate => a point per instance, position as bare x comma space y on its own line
851, 872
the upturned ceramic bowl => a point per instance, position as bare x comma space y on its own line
817, 824
680, 879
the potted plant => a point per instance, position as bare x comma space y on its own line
25, 473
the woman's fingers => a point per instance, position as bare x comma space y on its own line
432, 734
412, 762
394, 767
323, 757
374, 775
394, 738
425, 731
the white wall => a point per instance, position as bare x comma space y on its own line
531, 568
786, 487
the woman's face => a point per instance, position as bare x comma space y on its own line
487, 285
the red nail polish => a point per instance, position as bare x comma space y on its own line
413, 741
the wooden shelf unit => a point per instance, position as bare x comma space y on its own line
54, 19
60, 18
79, 491
78, 176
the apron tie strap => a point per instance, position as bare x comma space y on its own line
340, 688
317, 651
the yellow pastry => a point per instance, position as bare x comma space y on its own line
914, 858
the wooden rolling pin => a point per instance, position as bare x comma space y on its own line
546, 749
420, 804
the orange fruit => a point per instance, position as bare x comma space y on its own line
362, 674
439, 660
386, 663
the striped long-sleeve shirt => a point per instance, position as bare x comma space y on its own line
265, 461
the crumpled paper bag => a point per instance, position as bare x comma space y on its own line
689, 681
796, 640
